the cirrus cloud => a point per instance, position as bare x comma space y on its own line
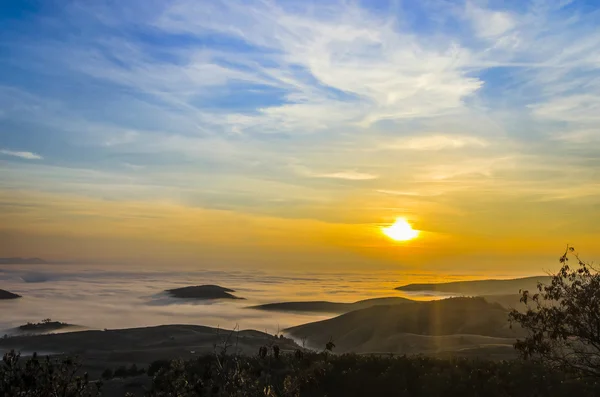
23, 155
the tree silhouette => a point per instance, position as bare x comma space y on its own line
563, 319
53, 377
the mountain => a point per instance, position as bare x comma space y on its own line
411, 327
8, 295
329, 307
480, 287
202, 292
22, 261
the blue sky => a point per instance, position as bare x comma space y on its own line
340, 112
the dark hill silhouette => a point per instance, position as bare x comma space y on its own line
8, 295
480, 287
202, 292
394, 328
22, 261
111, 348
329, 307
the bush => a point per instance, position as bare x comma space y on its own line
121, 372
124, 372
157, 365
107, 374
44, 377
324, 374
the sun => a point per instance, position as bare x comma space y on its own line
400, 230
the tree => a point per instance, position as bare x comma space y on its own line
563, 319
52, 377
107, 374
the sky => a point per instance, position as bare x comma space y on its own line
286, 134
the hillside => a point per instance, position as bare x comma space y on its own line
202, 292
385, 328
329, 307
8, 295
111, 348
510, 301
480, 287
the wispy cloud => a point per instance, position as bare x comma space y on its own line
487, 23
23, 155
349, 175
346, 66
584, 136
436, 142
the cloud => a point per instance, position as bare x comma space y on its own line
106, 293
472, 167
348, 175
489, 24
578, 136
124, 138
351, 175
408, 193
23, 155
335, 65
436, 142
573, 108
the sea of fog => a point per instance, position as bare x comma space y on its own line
113, 296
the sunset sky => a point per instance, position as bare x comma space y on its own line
287, 134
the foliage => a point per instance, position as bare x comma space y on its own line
156, 366
123, 372
48, 377
563, 319
107, 374
323, 374
307, 374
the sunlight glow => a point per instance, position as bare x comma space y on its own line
400, 230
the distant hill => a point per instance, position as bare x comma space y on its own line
329, 307
480, 287
22, 261
202, 292
385, 328
8, 295
44, 327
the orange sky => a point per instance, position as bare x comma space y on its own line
161, 233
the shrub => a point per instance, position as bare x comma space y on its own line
107, 374
323, 374
44, 377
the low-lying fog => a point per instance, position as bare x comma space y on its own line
112, 297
